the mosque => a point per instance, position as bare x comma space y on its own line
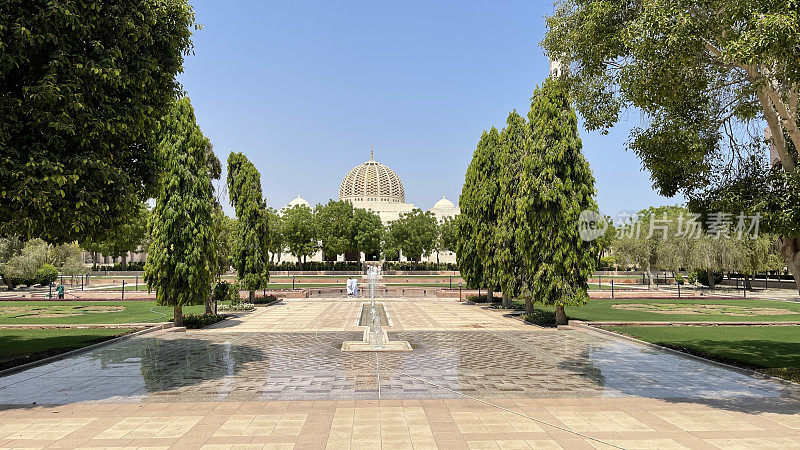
374, 186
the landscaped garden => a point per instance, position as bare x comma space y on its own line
87, 312
682, 310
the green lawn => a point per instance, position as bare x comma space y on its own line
602, 310
87, 312
26, 342
772, 350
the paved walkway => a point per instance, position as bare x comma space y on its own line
277, 379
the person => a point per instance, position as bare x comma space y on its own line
60, 291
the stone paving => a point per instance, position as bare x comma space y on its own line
277, 379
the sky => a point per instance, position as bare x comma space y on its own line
305, 88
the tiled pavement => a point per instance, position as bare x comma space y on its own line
498, 384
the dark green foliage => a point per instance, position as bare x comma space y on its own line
414, 233
193, 322
334, 222
542, 318
555, 186
265, 300
300, 232
82, 84
251, 244
46, 275
181, 249
475, 244
702, 277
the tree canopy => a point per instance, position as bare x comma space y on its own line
251, 244
300, 232
414, 233
82, 85
475, 249
181, 252
707, 77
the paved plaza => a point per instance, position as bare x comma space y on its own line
276, 378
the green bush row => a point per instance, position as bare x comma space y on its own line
194, 322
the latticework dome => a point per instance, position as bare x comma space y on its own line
372, 182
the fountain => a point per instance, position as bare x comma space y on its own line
375, 338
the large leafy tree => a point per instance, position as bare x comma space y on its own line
475, 249
82, 84
707, 76
277, 240
367, 231
300, 232
334, 228
127, 236
251, 244
414, 233
181, 253
555, 186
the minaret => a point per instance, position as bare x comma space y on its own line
371, 154
556, 69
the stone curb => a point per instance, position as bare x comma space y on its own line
83, 326
590, 326
683, 323
77, 351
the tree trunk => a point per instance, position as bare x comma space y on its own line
561, 316
124, 262
252, 297
528, 305
789, 249
94, 261
489, 295
712, 283
506, 301
747, 282
209, 304
178, 313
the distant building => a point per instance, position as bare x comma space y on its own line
374, 186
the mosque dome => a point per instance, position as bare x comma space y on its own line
372, 182
444, 208
299, 201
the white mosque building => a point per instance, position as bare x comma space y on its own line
374, 186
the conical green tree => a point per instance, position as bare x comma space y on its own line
475, 249
251, 244
181, 252
555, 185
515, 145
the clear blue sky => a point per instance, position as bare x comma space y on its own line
304, 88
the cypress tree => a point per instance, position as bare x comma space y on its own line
251, 244
181, 251
555, 185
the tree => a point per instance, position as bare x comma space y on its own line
181, 251
555, 186
300, 232
251, 245
367, 230
224, 229
756, 254
22, 262
277, 240
414, 233
334, 228
82, 85
475, 249
515, 145
448, 235
706, 76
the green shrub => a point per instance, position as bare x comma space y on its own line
607, 263
478, 298
46, 275
679, 278
264, 300
221, 290
542, 317
702, 277
193, 321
